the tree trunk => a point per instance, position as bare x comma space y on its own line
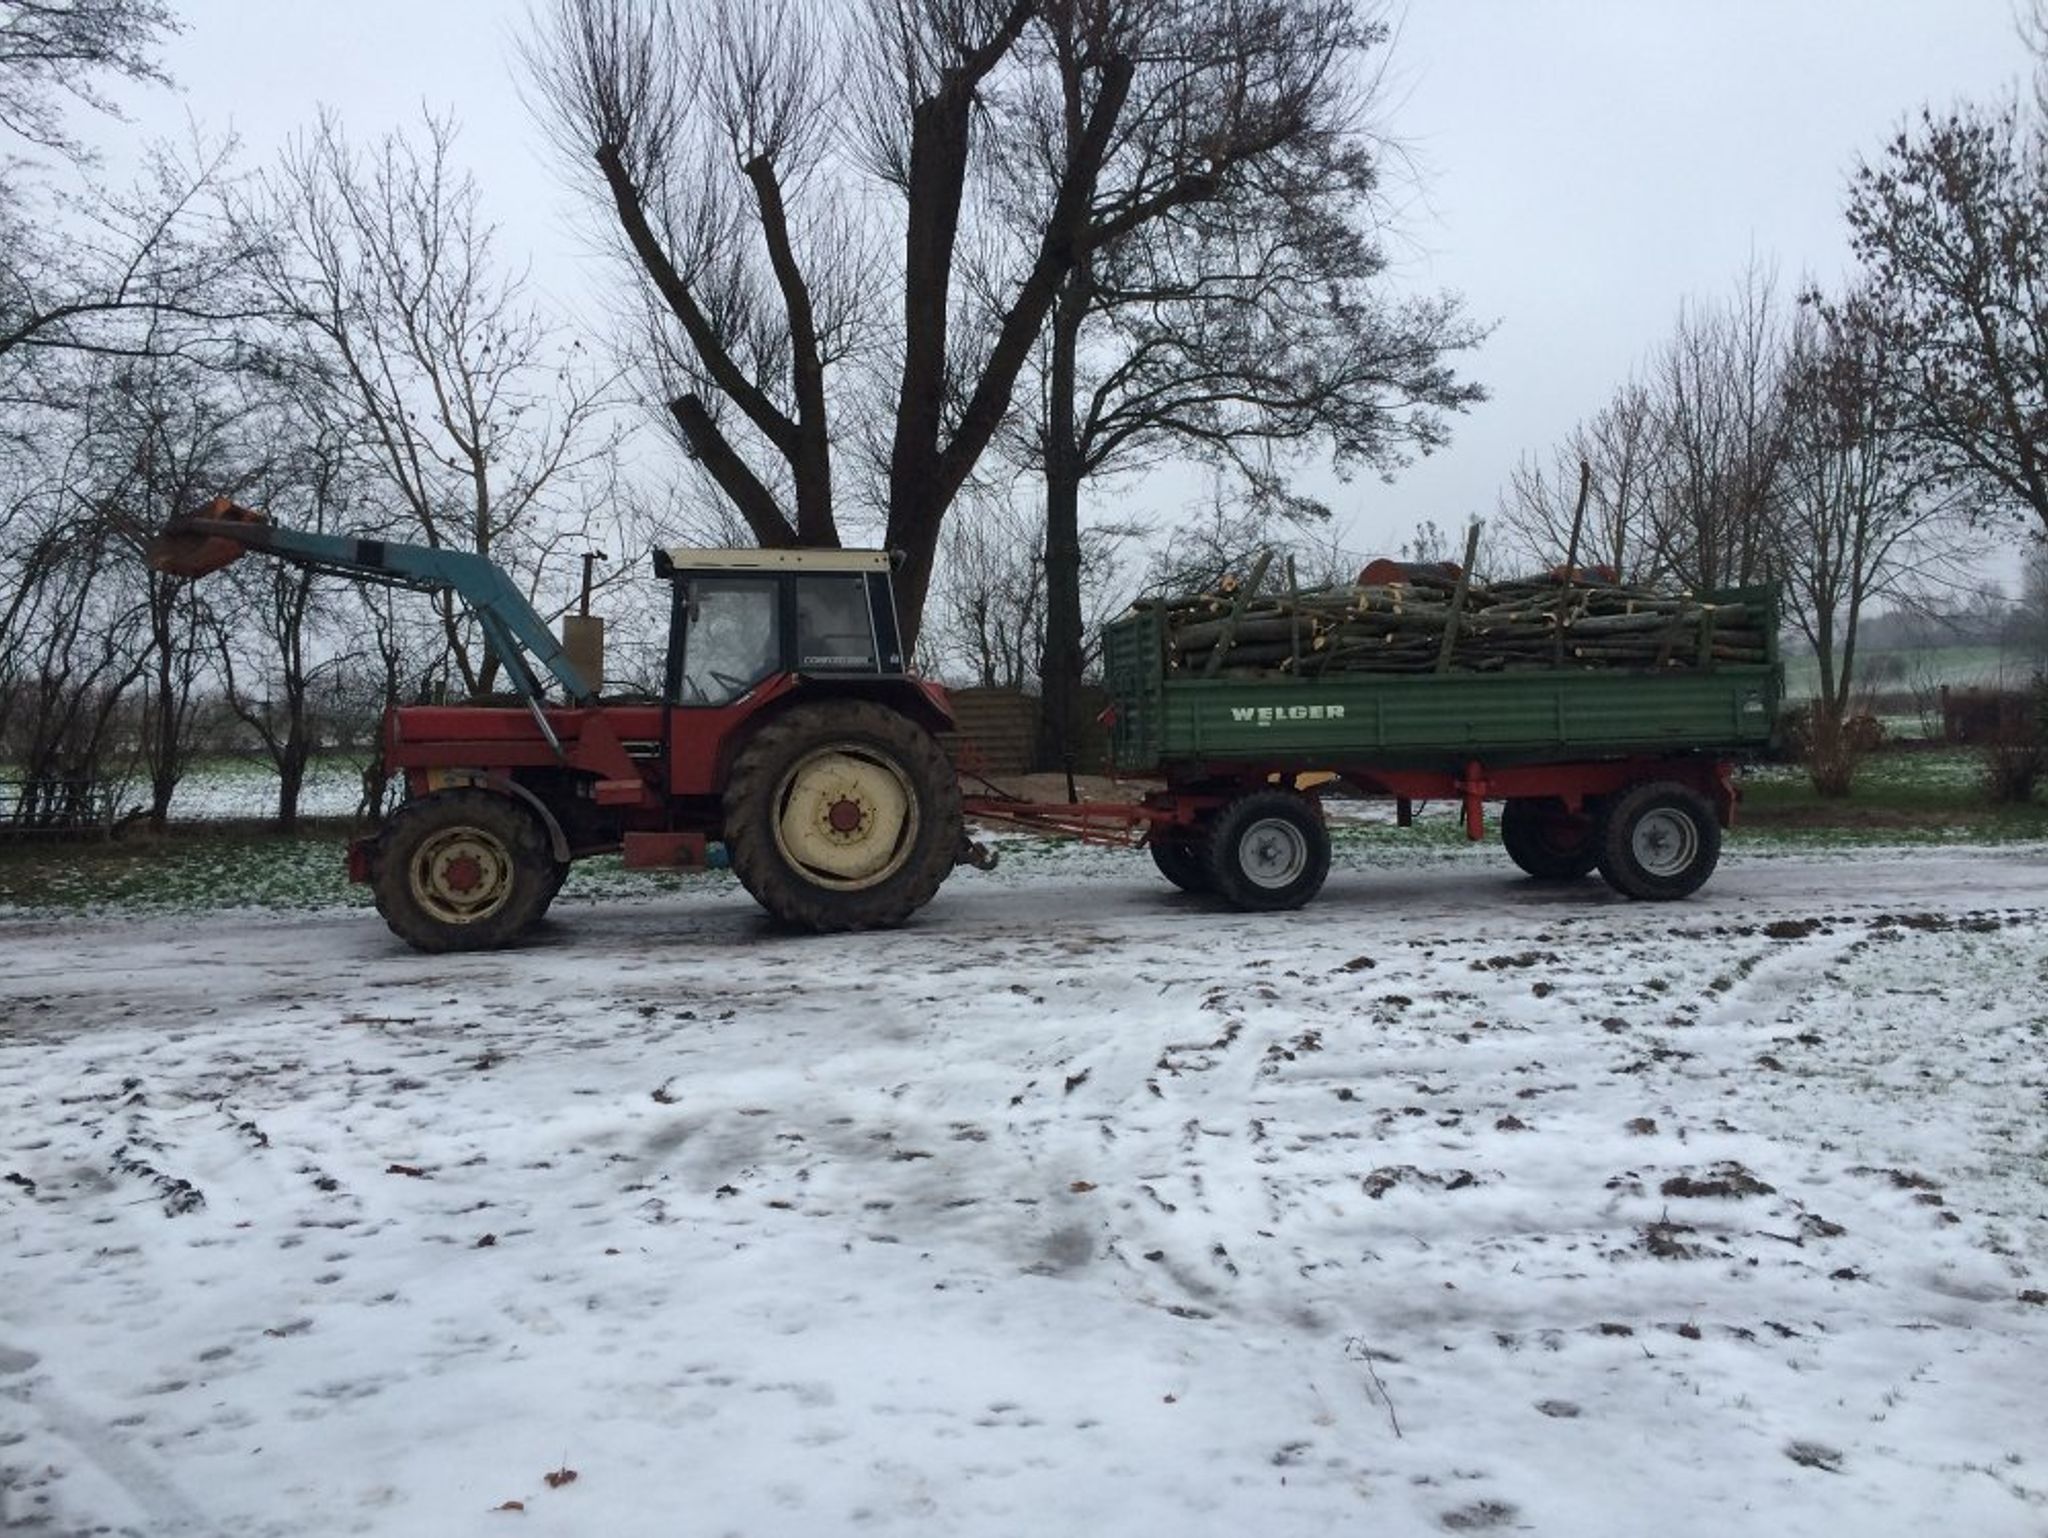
1059, 667
291, 769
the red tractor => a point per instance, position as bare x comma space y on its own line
789, 729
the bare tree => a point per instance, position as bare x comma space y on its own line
1951, 227
1225, 532
74, 632
94, 267
1859, 515
740, 149
53, 52
1243, 323
477, 423
986, 619
1685, 459
1720, 436
185, 434
149, 269
1618, 529
280, 645
987, 616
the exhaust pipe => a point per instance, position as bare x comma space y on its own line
583, 633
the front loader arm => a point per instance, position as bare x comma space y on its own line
197, 543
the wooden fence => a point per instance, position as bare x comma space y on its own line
996, 732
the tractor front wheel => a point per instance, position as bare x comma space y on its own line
462, 870
842, 815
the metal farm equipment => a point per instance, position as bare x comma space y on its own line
790, 730
1626, 769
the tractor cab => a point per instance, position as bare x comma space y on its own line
742, 617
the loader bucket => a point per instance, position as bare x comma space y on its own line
196, 543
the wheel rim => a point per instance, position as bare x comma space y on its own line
1273, 853
461, 875
1665, 842
845, 817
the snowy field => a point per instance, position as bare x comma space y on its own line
1079, 1207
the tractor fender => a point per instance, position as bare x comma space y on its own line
920, 700
484, 779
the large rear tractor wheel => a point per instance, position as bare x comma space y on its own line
1182, 855
1269, 851
463, 870
1658, 841
842, 815
1547, 841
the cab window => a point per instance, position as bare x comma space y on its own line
834, 630
728, 639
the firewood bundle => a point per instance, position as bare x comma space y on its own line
1438, 620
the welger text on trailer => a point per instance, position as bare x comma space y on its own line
1266, 715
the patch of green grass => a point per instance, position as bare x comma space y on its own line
142, 874
196, 870
1913, 797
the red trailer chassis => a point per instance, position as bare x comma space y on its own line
1190, 797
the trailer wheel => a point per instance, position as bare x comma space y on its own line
1269, 851
842, 815
1658, 841
1182, 858
462, 870
1547, 841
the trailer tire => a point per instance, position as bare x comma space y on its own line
842, 815
1182, 857
1269, 851
462, 870
1658, 841
1548, 842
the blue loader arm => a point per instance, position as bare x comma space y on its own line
193, 545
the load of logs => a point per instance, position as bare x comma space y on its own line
1439, 619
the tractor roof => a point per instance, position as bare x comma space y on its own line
672, 562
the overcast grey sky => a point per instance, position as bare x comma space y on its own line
1588, 164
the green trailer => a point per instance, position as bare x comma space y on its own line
1628, 771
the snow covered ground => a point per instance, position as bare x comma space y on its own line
1078, 1207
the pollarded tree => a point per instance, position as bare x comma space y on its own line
763, 162
740, 149
1951, 227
